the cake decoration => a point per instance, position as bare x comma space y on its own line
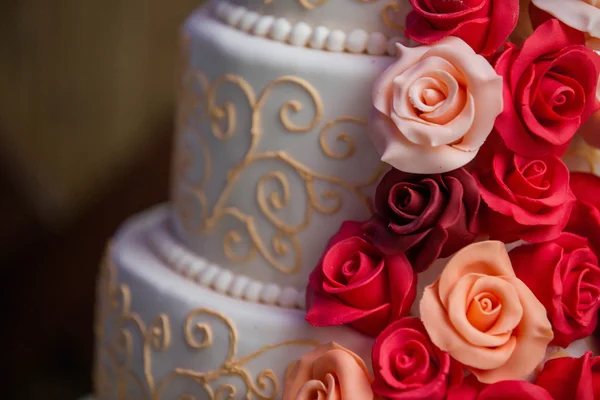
357, 284
564, 275
434, 107
569, 378
425, 216
471, 389
483, 24
549, 90
585, 217
525, 198
484, 316
407, 366
329, 372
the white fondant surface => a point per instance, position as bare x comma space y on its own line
142, 347
272, 154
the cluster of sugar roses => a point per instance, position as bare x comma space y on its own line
474, 127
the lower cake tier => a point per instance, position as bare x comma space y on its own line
161, 335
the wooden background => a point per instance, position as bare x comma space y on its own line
86, 104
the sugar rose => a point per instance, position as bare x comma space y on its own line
585, 217
483, 24
549, 90
484, 316
569, 378
564, 275
471, 389
434, 107
582, 15
408, 366
329, 372
356, 284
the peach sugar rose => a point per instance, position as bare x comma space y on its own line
485, 317
434, 107
330, 372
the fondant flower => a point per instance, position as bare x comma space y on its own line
549, 90
483, 24
569, 378
356, 284
585, 217
425, 216
471, 389
434, 107
564, 275
408, 366
525, 198
484, 316
582, 15
329, 372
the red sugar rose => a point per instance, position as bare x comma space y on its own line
483, 24
526, 199
425, 216
549, 90
565, 277
471, 389
569, 378
407, 366
356, 284
585, 217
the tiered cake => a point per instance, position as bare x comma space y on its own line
205, 297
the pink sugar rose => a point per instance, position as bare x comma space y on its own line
434, 107
481, 314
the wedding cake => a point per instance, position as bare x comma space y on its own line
370, 199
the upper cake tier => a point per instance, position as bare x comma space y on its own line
271, 152
384, 16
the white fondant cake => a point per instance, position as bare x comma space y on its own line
204, 298
162, 335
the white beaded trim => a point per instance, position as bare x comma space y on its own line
199, 270
302, 34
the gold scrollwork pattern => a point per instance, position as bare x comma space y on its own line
283, 250
120, 332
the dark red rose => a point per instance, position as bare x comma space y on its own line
472, 389
569, 378
585, 217
407, 366
526, 199
549, 90
425, 216
356, 284
565, 277
483, 24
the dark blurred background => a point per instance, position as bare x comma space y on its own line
86, 106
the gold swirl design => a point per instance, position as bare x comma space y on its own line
116, 334
283, 250
390, 16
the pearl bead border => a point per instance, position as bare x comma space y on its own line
301, 34
199, 270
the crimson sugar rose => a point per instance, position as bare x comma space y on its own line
526, 199
471, 389
585, 217
425, 216
549, 90
483, 24
356, 284
569, 378
565, 277
407, 366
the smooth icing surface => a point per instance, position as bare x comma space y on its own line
271, 152
386, 16
162, 336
